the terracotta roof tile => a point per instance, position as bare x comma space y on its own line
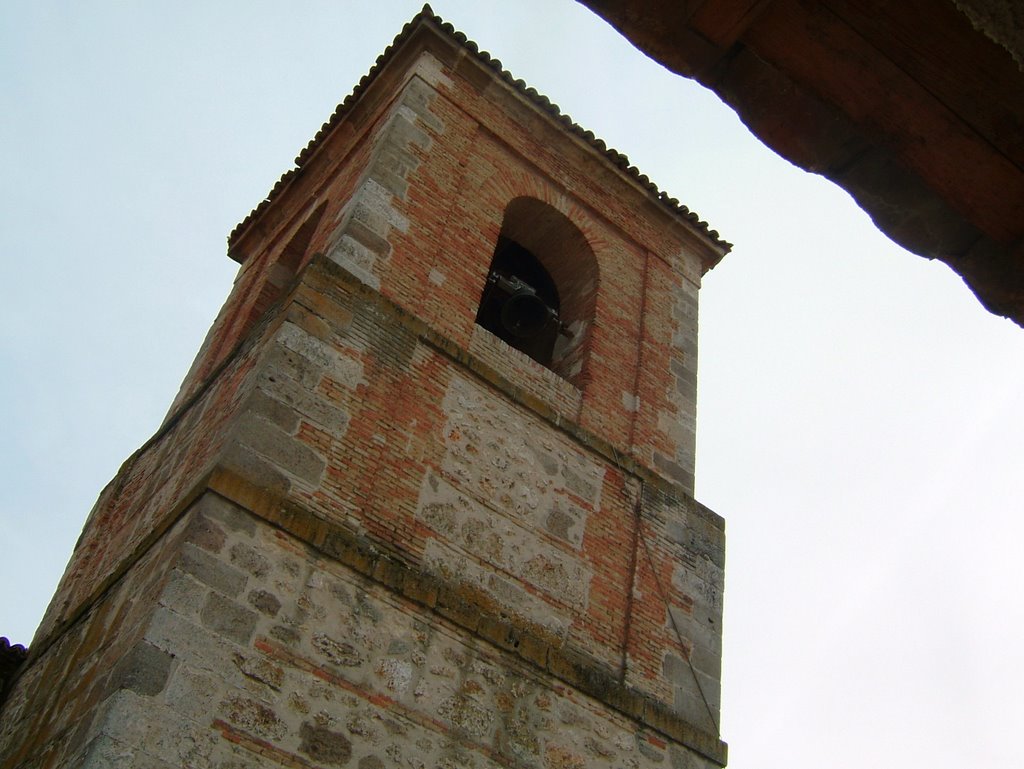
427, 15
11, 657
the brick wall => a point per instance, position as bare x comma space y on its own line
416, 191
256, 650
436, 549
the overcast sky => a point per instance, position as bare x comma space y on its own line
860, 414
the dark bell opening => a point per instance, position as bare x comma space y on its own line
520, 302
524, 314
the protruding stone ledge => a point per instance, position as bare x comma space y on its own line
473, 611
322, 277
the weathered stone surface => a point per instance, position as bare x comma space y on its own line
211, 571
264, 602
254, 717
206, 534
280, 449
273, 411
324, 746
257, 470
376, 651
340, 653
343, 369
218, 509
360, 240
249, 559
479, 532
185, 592
144, 670
227, 618
497, 455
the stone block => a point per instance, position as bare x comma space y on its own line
418, 96
707, 661
279, 448
218, 509
700, 633
211, 571
672, 470
273, 411
144, 670
205, 534
259, 669
280, 363
264, 602
324, 305
467, 716
227, 618
699, 537
183, 594
664, 719
309, 322
389, 572
194, 693
677, 670
420, 587
361, 232
580, 671
249, 559
338, 653
390, 176
324, 746
341, 546
355, 258
499, 633
257, 470
533, 649
253, 716
451, 604
625, 699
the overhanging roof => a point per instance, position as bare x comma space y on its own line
915, 107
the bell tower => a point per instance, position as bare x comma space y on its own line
424, 498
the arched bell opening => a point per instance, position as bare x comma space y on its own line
520, 303
541, 287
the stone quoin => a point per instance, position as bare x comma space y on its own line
424, 498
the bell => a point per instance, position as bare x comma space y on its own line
524, 314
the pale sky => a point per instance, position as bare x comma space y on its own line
859, 417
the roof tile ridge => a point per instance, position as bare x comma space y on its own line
616, 158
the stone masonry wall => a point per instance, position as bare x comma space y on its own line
445, 468
465, 155
416, 185
440, 551
54, 711
261, 652
151, 484
363, 416
373, 421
